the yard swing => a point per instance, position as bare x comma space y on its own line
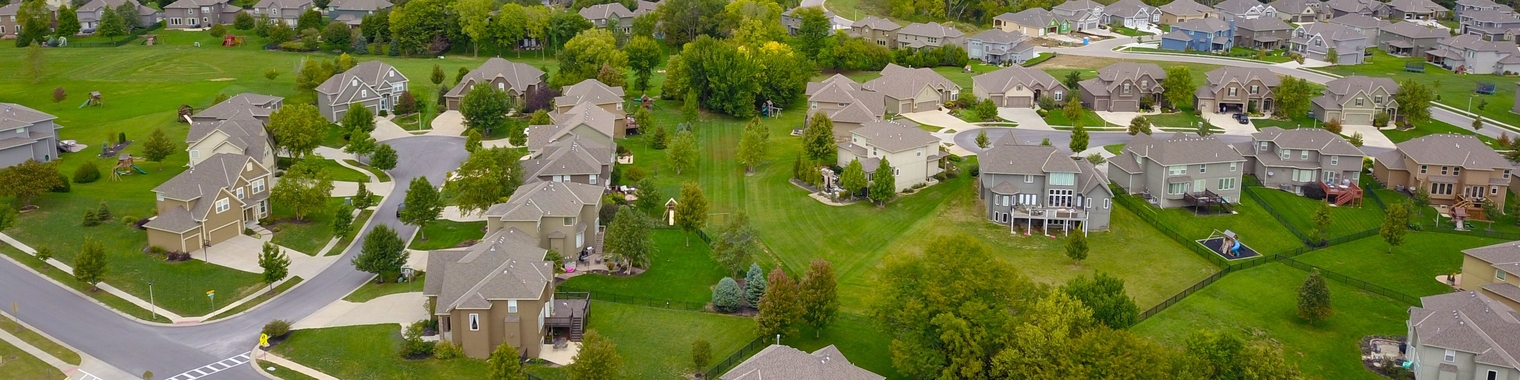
1227, 244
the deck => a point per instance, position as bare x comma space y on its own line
1205, 200
1065, 218
569, 313
1345, 193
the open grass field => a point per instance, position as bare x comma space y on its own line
1263, 302
1453, 89
39, 341
1299, 211
1412, 268
442, 234
677, 272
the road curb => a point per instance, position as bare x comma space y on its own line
87, 298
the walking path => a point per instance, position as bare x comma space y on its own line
259, 354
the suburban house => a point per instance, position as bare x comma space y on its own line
352, 12
1183, 10
1463, 9
1470, 54
931, 35
1262, 33
1356, 100
211, 202
1408, 39
572, 159
375, 85
844, 103
1361, 7
1463, 335
1031, 22
286, 11
1119, 87
1415, 10
558, 216
585, 121
793, 23
1237, 89
996, 47
784, 362
613, 16
1235, 10
1316, 40
1205, 34
1295, 159
599, 94
90, 14
1018, 87
1132, 14
1301, 10
912, 90
517, 79
913, 153
499, 291
1458, 171
1080, 14
1178, 171
29, 135
1026, 182
873, 28
194, 14
235, 126
1492, 26
1492, 271
1366, 25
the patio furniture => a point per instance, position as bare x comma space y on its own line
560, 343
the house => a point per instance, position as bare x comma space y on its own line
1031, 22
880, 30
1237, 89
1408, 39
286, 11
1017, 87
1205, 34
1492, 25
91, 13
352, 12
599, 94
585, 121
912, 90
572, 159
845, 103
1361, 7
1415, 10
1080, 14
209, 203
1235, 10
1470, 54
1368, 26
1262, 33
1024, 183
1315, 41
1120, 86
1301, 10
996, 47
793, 23
613, 16
195, 14
1178, 171
784, 362
499, 291
1132, 14
558, 216
29, 135
1459, 171
1184, 10
1356, 100
1295, 159
1463, 9
912, 152
235, 126
375, 85
517, 79
931, 35
1491, 271
1463, 335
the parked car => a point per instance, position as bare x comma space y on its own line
399, 208
1240, 117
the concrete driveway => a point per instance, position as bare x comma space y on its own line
448, 123
1028, 118
385, 129
1229, 124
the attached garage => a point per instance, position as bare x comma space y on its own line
1353, 118
224, 232
1019, 102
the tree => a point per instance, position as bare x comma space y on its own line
422, 205
1332, 57
1178, 87
853, 180
510, 26
814, 32
384, 157
1139, 125
781, 307
683, 151
629, 240
68, 22
33, 19
271, 74
472, 141
280, 33
1380, 120
1490, 212
691, 210
1414, 101
437, 76
310, 19
362, 197
338, 35
90, 264
305, 187
297, 129
383, 253
1321, 219
485, 108
406, 104
735, 244
1072, 79
1477, 122
358, 117
474, 19
981, 139
1079, 139
1076, 248
818, 139
1421, 199
1105, 296
644, 54
1221, 355
752, 145
819, 296
690, 110
726, 297
1355, 139
243, 21
701, 354
275, 264
598, 358
585, 55
1333, 126
883, 183
111, 26
755, 284
1205, 129
562, 25
158, 147
1073, 111
343, 220
1395, 223
129, 14
683, 20
505, 364
1314, 299
29, 179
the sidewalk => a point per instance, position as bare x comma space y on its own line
176, 318
400, 308
89, 368
258, 354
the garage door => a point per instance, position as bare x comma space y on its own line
1357, 119
1020, 102
1125, 106
192, 242
225, 232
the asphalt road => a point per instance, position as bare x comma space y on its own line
136, 347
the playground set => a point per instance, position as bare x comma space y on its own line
93, 101
1227, 244
125, 165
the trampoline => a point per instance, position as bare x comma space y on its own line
1236, 251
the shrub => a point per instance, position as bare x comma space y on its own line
44, 253
90, 218
383, 113
277, 328
1334, 126
218, 30
973, 170
726, 296
102, 213
1047, 103
157, 250
634, 174
1380, 120
1043, 113
87, 172
412, 345
63, 184
445, 351
128, 220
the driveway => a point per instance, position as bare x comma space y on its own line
1229, 124
1028, 118
448, 123
948, 122
385, 129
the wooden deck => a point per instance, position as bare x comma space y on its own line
1342, 194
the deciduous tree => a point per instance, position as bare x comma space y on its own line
1395, 224
883, 183
644, 54
1314, 299
650, 201
383, 253
1414, 101
683, 151
243, 21
297, 129
485, 108
736, 244
474, 19
1076, 248
305, 187
505, 364
1139, 125
752, 146
158, 147
683, 20
1079, 139
29, 179
691, 209
275, 264
820, 296
343, 220
111, 26
337, 35
853, 180
1178, 87
68, 22
818, 139
510, 26
33, 19
598, 358
414, 24
628, 239
384, 157
310, 19
422, 205
781, 306
815, 30
1105, 296
90, 264
701, 354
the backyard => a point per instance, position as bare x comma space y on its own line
1411, 268
673, 263
1255, 226
1299, 212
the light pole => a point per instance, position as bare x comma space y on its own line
153, 305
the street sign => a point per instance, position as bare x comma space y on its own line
211, 293
263, 340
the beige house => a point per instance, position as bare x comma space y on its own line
1464, 335
1017, 87
912, 90
599, 94
209, 203
1237, 89
585, 121
931, 35
517, 79
613, 16
783, 362
912, 152
1032, 22
880, 30
236, 126
500, 291
1458, 171
1184, 10
1493, 271
572, 159
560, 216
1119, 87
845, 104
1356, 100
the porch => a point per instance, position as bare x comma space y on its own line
1203, 202
1064, 218
568, 318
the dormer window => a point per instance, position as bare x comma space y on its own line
1255, 89
1263, 146
1285, 153
1303, 154
1126, 88
393, 73
354, 82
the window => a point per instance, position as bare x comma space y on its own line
1177, 188
501, 86
1303, 154
1232, 91
1106, 203
1444, 169
1028, 179
1227, 183
1285, 153
593, 179
1145, 85
570, 221
222, 205
1234, 166
1359, 102
474, 322
1456, 170
920, 152
1176, 170
813, 105
1451, 355
240, 193
364, 93
1335, 160
1440, 189
512, 306
1255, 89
1422, 169
1493, 190
160, 197
1492, 375
258, 185
1500, 275
1301, 175
1263, 146
1062, 179
194, 154
1126, 88
1377, 99
1003, 200
1203, 168
1059, 198
1506, 173
1058, 95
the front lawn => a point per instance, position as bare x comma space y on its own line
337, 249
1184, 118
18, 364
444, 234
1257, 229
368, 352
306, 236
67, 279
1128, 31
677, 272
281, 372
371, 290
1412, 268
1090, 119
1115, 148
39, 341
1299, 211
380, 174
1451, 88
1435, 127
1303, 121
339, 172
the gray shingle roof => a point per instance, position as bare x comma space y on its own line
1413, 30
570, 156
19, 115
1330, 32
1504, 255
1203, 24
1358, 21
1128, 8
285, 4
248, 103
1237, 6
1002, 80
1219, 77
1008, 156
207, 177
1453, 150
1182, 149
581, 114
901, 82
606, 11
896, 136
1184, 7
999, 36
534, 201
1478, 3
932, 29
841, 90
1036, 17
876, 23
370, 73
779, 362
501, 267
1112, 75
196, 3
176, 219
1314, 139
358, 5
590, 90
1337, 91
1078, 5
1416, 6
245, 133
1471, 322
1263, 24
1297, 6
518, 76
1476, 43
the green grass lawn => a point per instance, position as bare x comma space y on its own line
380, 174
335, 137
256, 301
339, 172
1236, 53
17, 364
1127, 31
1115, 148
1263, 302
347, 239
1090, 119
442, 234
656, 343
1299, 211
368, 352
67, 279
1412, 268
1434, 127
1184, 118
1302, 121
1256, 227
39, 341
281, 372
1454, 90
677, 272
371, 290
306, 236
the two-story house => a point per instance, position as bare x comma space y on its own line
1023, 183
1295, 159
1235, 10
1415, 10
1368, 26
1356, 100
499, 291
517, 79
572, 159
195, 14
1262, 33
1184, 10
1205, 34
1408, 39
26, 134
585, 121
876, 29
613, 16
845, 103
784, 362
92, 12
911, 152
996, 47
1316, 40
1301, 10
559, 216
1467, 8
1119, 87
931, 35
1237, 89
1470, 54
352, 12
1033, 22
1132, 14
1458, 171
209, 203
1493, 271
1463, 335
1361, 7
1178, 171
912, 90
1080, 14
375, 85
1492, 25
285, 11
235, 126
793, 23
593, 91
1018, 87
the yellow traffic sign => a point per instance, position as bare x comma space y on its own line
263, 340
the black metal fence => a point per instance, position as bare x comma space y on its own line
636, 300
1250, 191
737, 357
1354, 282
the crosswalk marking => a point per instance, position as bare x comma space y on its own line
86, 375
207, 370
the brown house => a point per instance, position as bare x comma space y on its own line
209, 203
1017, 87
1494, 271
845, 103
561, 216
516, 79
1237, 89
599, 94
876, 29
1119, 87
912, 90
1262, 33
1458, 171
500, 291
